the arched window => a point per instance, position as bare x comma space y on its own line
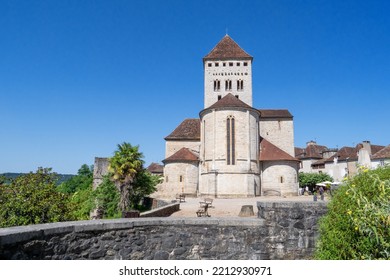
230, 141
228, 85
240, 85
217, 85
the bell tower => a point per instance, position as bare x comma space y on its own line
227, 69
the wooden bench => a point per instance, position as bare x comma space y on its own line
181, 197
204, 206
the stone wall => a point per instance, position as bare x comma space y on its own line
279, 178
180, 177
281, 231
164, 211
225, 71
280, 132
172, 146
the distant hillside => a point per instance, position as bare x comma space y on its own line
61, 177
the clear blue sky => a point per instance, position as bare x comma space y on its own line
79, 77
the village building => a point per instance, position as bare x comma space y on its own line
344, 162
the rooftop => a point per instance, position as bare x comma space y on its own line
182, 155
269, 152
189, 129
227, 49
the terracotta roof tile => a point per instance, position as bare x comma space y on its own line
383, 153
311, 151
269, 152
345, 153
376, 148
229, 101
227, 49
155, 168
279, 113
298, 151
182, 155
189, 129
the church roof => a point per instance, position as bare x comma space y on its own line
189, 129
155, 168
229, 101
383, 153
280, 113
269, 152
227, 49
182, 155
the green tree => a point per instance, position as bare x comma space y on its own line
79, 187
357, 225
311, 179
32, 199
106, 199
144, 184
123, 168
82, 181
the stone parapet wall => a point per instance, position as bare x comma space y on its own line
282, 231
292, 228
164, 211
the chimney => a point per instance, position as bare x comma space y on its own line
367, 146
311, 142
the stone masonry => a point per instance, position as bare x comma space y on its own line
285, 230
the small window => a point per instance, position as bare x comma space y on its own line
281, 179
228, 84
216, 64
217, 85
230, 63
240, 85
245, 63
219, 97
181, 178
210, 64
224, 64
238, 63
237, 97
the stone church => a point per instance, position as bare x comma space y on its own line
232, 149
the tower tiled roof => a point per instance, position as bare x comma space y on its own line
189, 129
383, 153
229, 101
269, 152
227, 49
182, 155
279, 113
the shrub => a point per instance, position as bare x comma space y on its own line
357, 225
33, 199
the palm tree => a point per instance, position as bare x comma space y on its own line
123, 167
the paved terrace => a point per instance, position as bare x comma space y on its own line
230, 207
